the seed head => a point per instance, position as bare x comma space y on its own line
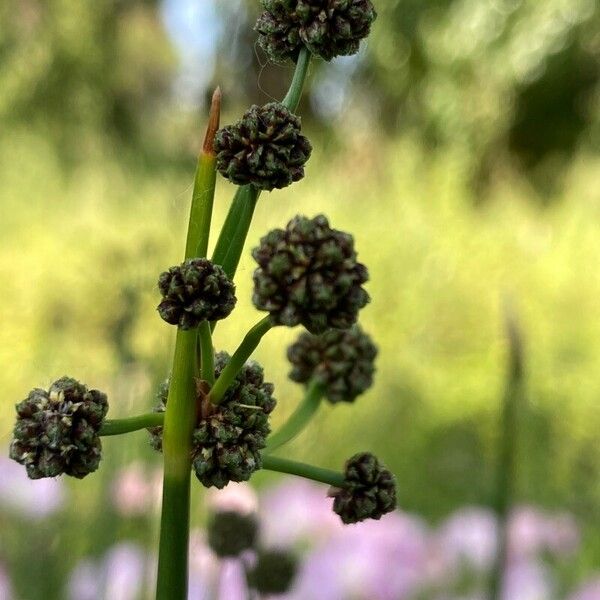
308, 274
369, 491
227, 441
230, 533
264, 148
57, 430
274, 572
328, 28
342, 361
196, 291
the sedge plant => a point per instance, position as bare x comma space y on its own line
212, 420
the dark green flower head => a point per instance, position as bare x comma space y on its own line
227, 441
308, 274
230, 533
342, 361
264, 148
196, 291
328, 28
57, 430
369, 493
274, 572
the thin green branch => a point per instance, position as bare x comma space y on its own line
129, 424
240, 356
284, 465
207, 369
232, 238
292, 98
299, 419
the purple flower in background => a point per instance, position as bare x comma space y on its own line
238, 497
528, 581
467, 538
297, 511
375, 560
34, 499
232, 581
5, 586
135, 491
120, 575
204, 568
532, 531
589, 591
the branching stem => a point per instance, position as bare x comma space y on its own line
299, 419
240, 356
129, 424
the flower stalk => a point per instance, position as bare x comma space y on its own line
129, 424
240, 356
292, 467
299, 419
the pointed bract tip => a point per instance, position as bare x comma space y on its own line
213, 122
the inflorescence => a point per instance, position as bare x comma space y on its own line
328, 28
342, 362
264, 148
369, 491
228, 438
308, 274
195, 291
57, 430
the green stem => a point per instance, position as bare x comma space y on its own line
204, 188
513, 399
207, 369
240, 356
292, 98
284, 465
179, 423
180, 416
232, 238
299, 418
120, 426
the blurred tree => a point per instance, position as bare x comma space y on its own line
75, 69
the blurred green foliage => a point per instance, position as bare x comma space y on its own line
448, 94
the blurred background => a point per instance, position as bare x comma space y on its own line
460, 147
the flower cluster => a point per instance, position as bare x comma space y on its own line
228, 438
340, 361
264, 148
196, 291
328, 28
369, 491
57, 430
232, 533
308, 274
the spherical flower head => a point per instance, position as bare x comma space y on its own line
230, 533
274, 572
57, 430
328, 28
264, 148
195, 291
228, 438
369, 491
342, 361
308, 274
